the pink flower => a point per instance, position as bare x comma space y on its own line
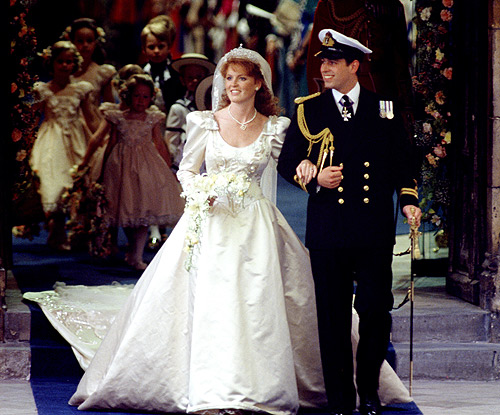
448, 3
439, 151
427, 127
436, 220
446, 15
447, 73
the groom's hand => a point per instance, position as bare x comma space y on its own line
330, 177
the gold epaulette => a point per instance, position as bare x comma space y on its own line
300, 100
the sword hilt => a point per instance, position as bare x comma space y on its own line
414, 235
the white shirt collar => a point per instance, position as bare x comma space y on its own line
353, 94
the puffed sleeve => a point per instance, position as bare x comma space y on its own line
106, 73
194, 149
276, 131
280, 127
83, 88
111, 112
41, 92
155, 115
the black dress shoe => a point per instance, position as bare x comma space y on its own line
370, 407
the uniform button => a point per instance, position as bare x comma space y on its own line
366, 188
366, 176
341, 201
366, 200
367, 164
340, 189
341, 165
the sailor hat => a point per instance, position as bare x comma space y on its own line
194, 59
335, 45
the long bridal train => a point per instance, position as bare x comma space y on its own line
236, 331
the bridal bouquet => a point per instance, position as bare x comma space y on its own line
200, 196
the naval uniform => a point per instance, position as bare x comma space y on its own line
350, 230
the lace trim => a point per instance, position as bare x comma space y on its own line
169, 220
208, 121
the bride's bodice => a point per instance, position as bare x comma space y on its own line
205, 144
251, 159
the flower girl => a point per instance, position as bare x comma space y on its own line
139, 186
63, 134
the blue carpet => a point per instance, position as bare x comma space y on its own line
55, 372
52, 395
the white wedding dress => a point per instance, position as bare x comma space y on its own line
237, 331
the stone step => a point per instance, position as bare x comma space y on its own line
15, 352
451, 361
439, 317
458, 327
15, 360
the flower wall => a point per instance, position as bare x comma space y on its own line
432, 83
27, 212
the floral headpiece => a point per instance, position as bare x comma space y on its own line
46, 54
101, 34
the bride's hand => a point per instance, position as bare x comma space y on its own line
306, 171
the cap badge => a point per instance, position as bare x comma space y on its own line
328, 40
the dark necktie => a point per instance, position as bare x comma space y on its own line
347, 111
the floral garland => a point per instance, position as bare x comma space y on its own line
86, 231
101, 34
200, 196
432, 85
23, 42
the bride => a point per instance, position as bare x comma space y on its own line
223, 319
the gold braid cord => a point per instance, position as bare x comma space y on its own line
325, 137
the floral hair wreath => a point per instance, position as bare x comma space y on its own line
46, 54
101, 34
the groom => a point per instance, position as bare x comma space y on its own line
347, 147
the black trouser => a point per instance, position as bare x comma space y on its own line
335, 271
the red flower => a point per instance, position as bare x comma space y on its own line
440, 97
16, 135
446, 15
448, 73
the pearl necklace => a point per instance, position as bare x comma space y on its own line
243, 125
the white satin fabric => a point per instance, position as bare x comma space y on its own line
239, 330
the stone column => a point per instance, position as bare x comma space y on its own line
490, 279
